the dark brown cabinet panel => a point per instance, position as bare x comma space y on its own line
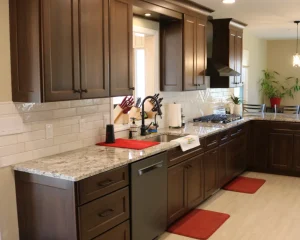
121, 232
94, 39
177, 197
195, 183
232, 54
25, 24
239, 56
60, 49
121, 82
201, 54
211, 172
281, 154
190, 38
222, 165
258, 146
296, 160
171, 35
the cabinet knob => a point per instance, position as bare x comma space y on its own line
132, 88
77, 91
84, 90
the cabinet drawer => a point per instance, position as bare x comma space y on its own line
103, 214
176, 155
224, 137
237, 131
211, 142
285, 127
121, 232
102, 184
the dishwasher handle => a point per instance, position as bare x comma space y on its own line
150, 168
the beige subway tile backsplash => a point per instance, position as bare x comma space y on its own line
65, 117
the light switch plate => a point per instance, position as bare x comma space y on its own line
49, 131
82, 125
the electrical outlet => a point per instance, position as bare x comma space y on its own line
49, 132
82, 125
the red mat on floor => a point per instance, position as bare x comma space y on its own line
130, 144
199, 224
245, 185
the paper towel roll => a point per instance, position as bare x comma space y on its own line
174, 115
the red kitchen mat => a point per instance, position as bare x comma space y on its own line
130, 144
245, 185
199, 224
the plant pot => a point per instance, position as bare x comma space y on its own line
238, 109
275, 101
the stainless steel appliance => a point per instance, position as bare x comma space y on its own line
149, 197
219, 118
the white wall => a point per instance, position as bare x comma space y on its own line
257, 62
280, 59
5, 89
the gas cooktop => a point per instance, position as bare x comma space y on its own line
219, 118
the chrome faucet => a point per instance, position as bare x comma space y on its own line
144, 127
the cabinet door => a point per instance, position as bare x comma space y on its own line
195, 181
222, 165
281, 151
94, 48
190, 38
60, 49
232, 54
201, 54
296, 159
259, 144
239, 56
210, 172
177, 198
121, 15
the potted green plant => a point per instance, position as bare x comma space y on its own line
238, 105
274, 90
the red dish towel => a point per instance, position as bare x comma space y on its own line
245, 185
130, 144
199, 224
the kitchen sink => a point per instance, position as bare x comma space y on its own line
163, 138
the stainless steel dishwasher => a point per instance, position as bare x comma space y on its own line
149, 197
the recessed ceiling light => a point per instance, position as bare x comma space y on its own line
148, 14
228, 1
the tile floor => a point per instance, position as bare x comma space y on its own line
272, 213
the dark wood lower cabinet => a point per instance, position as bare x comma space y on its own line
211, 172
121, 232
195, 183
281, 153
177, 197
296, 160
222, 164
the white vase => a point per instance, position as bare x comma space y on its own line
238, 109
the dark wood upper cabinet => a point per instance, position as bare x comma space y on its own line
121, 81
228, 50
94, 39
201, 54
67, 50
61, 73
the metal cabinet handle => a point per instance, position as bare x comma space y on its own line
84, 90
212, 143
105, 183
236, 133
150, 168
224, 138
132, 88
106, 213
77, 91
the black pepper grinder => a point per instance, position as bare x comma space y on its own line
110, 133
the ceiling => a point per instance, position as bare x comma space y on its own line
268, 19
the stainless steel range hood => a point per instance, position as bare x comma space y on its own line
214, 68
220, 70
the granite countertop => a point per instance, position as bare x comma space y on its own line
83, 163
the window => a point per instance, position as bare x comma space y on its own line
140, 88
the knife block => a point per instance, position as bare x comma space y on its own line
122, 119
118, 111
135, 113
